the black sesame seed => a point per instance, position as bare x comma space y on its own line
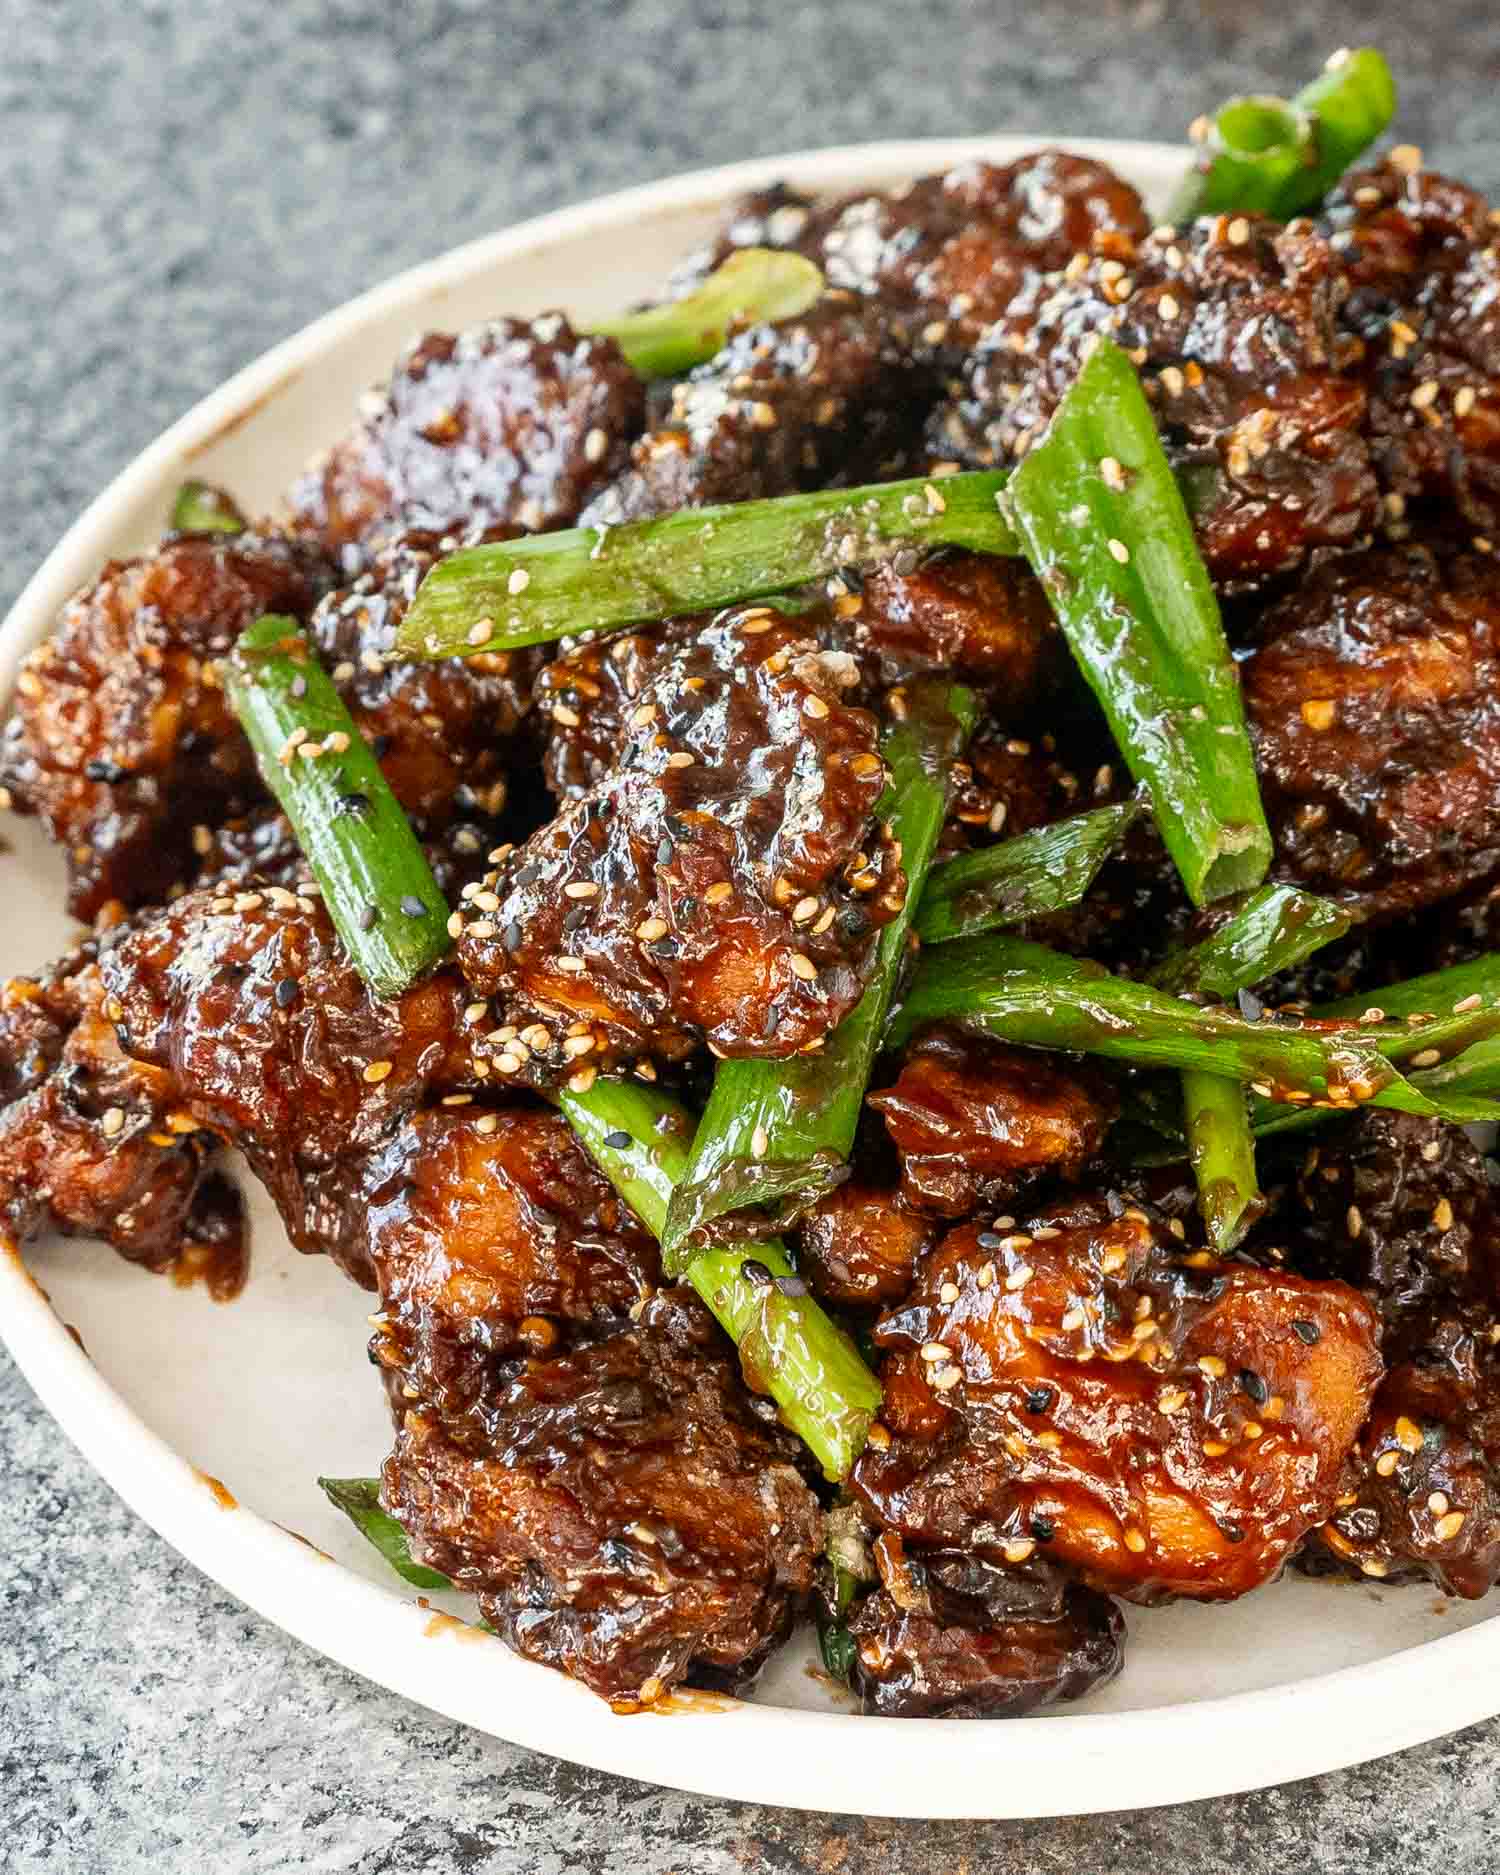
380, 747
791, 1285
1039, 1399
756, 1274
664, 851
100, 770
413, 906
512, 935
286, 992
528, 875
354, 802
1233, 1531
989, 1240
1251, 1383
1043, 1529
1307, 1331
617, 1141
369, 917
664, 947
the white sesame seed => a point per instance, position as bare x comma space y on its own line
581, 888
803, 966
518, 581
574, 966
112, 1121
376, 1071
1118, 550
760, 1142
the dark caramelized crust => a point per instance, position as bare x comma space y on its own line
491, 1234
1159, 1427
1375, 710
1036, 1643
444, 729
267, 1038
948, 250
515, 422
584, 701
121, 739
1421, 1497
975, 1122
1400, 1206
1423, 258
986, 619
723, 883
861, 1245
95, 1144
632, 1518
1233, 323
831, 396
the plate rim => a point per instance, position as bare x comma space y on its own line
1062, 1764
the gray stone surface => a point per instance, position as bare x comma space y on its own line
180, 185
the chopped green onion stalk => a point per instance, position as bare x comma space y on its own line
1020, 992
359, 1500
377, 885
755, 286
200, 508
1277, 927
1273, 930
789, 1348
531, 591
1103, 523
1268, 156
776, 1134
1045, 870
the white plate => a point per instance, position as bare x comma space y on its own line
177, 1393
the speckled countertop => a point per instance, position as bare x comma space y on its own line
182, 184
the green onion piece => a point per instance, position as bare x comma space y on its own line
1265, 156
1221, 1151
359, 1500
1474, 1073
1020, 992
1276, 927
377, 885
776, 1134
1436, 993
789, 1348
1045, 870
528, 592
1104, 525
200, 508
755, 286
1273, 930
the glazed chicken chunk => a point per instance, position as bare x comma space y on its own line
121, 740
724, 883
514, 422
975, 1122
1374, 706
833, 396
630, 1517
1233, 322
1160, 1425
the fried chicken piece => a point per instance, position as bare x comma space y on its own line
632, 1521
491, 1235
444, 729
1421, 1496
1159, 1427
986, 620
955, 1635
513, 422
1374, 706
121, 739
1400, 1206
976, 1122
831, 396
950, 251
249, 1012
1233, 322
861, 1245
96, 1144
1423, 258
723, 883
